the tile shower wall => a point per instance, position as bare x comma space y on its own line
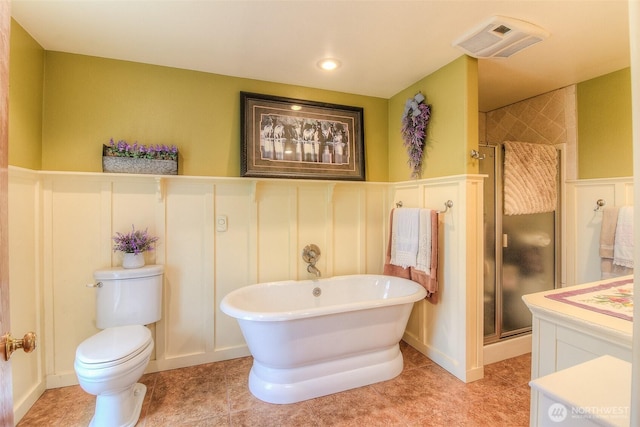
549, 118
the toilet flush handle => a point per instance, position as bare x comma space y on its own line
94, 285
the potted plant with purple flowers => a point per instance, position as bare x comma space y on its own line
134, 245
139, 158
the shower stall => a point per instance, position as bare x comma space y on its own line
521, 254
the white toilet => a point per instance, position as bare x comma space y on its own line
109, 363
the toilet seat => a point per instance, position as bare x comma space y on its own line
113, 346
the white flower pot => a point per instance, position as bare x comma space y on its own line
133, 260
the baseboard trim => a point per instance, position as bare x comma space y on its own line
507, 349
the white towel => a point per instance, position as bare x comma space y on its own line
623, 243
404, 237
423, 262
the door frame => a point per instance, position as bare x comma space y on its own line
6, 389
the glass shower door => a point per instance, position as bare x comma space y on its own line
487, 167
520, 255
528, 265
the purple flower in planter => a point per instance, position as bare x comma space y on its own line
157, 151
134, 242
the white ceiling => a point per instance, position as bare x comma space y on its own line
384, 45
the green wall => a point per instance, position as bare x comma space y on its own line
89, 100
604, 126
77, 103
452, 132
26, 72
63, 107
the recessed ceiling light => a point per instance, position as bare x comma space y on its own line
329, 64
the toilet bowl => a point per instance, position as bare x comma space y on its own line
109, 363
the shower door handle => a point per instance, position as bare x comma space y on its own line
505, 240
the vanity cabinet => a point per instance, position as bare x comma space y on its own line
565, 335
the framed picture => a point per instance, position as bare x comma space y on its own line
293, 138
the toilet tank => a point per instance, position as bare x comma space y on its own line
128, 296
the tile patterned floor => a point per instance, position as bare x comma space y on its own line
216, 394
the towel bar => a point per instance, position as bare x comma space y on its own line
447, 205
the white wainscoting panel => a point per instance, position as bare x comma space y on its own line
235, 257
584, 223
72, 222
189, 269
61, 224
71, 218
268, 224
449, 332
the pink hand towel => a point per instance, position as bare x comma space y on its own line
429, 280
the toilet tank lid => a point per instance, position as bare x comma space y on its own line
117, 273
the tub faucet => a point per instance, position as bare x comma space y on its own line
310, 255
311, 268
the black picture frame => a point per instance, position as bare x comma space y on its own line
293, 138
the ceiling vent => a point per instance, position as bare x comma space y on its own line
500, 37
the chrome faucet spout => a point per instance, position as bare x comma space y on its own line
311, 268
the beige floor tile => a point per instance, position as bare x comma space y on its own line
217, 394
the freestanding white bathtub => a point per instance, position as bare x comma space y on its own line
311, 338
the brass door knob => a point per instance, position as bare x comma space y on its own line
27, 343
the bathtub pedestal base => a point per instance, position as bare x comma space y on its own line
292, 385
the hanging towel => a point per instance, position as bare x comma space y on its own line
389, 268
607, 241
404, 237
423, 260
530, 178
608, 231
427, 279
623, 245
